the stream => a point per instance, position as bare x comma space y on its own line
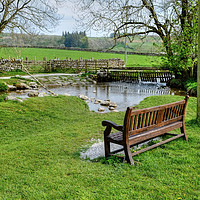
122, 93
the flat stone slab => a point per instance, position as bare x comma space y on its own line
97, 150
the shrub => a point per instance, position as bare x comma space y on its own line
191, 87
2, 97
3, 87
176, 83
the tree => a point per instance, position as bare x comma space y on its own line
198, 69
171, 20
27, 15
76, 39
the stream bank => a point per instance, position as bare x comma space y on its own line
100, 97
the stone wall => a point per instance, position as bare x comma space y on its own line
57, 64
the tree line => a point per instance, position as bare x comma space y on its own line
75, 39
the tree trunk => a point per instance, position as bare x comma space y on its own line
198, 68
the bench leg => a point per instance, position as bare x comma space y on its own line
106, 142
183, 130
128, 154
107, 148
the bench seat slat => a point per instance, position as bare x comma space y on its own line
135, 139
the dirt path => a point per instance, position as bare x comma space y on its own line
41, 75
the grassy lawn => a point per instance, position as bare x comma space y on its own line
40, 145
31, 53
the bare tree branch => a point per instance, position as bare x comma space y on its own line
27, 15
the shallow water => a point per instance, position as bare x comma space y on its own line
122, 93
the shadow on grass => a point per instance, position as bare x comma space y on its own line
193, 122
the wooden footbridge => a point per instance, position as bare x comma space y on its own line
135, 75
163, 77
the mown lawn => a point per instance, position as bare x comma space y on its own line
39, 53
41, 141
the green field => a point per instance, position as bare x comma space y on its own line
40, 144
31, 53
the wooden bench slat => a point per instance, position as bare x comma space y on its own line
136, 131
135, 122
150, 118
145, 110
147, 119
143, 136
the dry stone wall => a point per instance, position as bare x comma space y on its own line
57, 64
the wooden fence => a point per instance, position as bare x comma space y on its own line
57, 64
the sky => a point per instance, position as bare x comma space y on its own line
68, 22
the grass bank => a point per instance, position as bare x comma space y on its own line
39, 53
41, 141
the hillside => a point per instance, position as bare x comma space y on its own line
151, 44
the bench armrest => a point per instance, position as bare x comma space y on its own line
112, 124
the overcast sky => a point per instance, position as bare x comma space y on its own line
68, 22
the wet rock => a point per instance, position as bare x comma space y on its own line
105, 103
54, 85
112, 104
22, 86
33, 94
74, 84
111, 108
33, 85
11, 87
11, 98
43, 94
65, 84
101, 109
43, 79
97, 101
83, 97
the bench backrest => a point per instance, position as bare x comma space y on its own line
137, 121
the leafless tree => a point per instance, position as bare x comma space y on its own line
127, 18
27, 15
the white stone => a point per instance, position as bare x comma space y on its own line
33, 93
115, 110
111, 108
11, 87
11, 98
33, 84
66, 94
22, 86
101, 109
83, 97
97, 150
105, 103
112, 104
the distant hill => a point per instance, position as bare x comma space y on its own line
151, 44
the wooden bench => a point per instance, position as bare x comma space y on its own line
145, 124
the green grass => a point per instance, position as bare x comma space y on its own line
40, 144
31, 53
